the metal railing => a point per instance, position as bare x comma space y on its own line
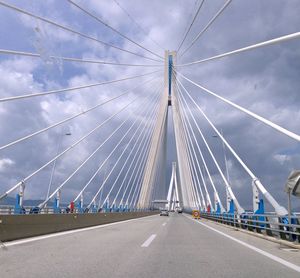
4, 210
10, 210
268, 224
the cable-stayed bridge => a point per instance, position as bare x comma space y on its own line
145, 150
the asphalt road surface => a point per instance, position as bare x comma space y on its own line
155, 246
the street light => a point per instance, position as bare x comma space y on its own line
225, 158
226, 169
54, 163
103, 179
292, 186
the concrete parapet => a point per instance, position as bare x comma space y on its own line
21, 226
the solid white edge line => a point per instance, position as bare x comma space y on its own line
262, 252
148, 241
32, 239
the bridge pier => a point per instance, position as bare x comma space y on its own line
56, 205
79, 205
19, 209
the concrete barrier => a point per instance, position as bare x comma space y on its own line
21, 226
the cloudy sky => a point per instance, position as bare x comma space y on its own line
265, 81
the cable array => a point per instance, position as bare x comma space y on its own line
207, 26
248, 112
65, 151
112, 28
29, 136
73, 59
41, 205
68, 29
73, 89
137, 24
227, 185
289, 37
190, 26
278, 208
104, 182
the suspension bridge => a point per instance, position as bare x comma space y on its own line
98, 193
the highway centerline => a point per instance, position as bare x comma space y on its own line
148, 241
260, 251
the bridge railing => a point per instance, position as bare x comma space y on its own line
268, 224
7, 210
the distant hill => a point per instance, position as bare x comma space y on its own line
10, 201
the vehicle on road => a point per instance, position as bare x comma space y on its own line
164, 212
179, 210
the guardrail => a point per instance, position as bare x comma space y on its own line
268, 224
10, 210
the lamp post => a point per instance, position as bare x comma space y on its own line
54, 164
292, 187
102, 184
226, 170
225, 158
103, 179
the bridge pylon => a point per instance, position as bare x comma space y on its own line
156, 156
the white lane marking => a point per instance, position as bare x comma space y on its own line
164, 224
22, 241
262, 252
148, 241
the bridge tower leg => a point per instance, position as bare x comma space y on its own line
173, 196
185, 176
172, 188
156, 143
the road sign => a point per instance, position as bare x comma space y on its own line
196, 214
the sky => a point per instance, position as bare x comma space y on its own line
265, 81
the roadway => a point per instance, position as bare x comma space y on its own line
174, 246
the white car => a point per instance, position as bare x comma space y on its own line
164, 212
179, 210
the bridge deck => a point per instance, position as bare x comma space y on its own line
174, 246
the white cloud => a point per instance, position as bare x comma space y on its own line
282, 158
5, 163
